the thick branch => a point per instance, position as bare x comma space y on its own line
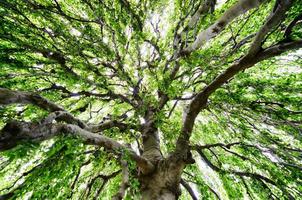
273, 20
238, 9
10, 97
15, 132
109, 124
204, 8
200, 100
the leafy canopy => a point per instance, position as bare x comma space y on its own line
111, 61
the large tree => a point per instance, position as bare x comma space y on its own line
142, 99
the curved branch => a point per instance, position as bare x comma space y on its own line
239, 173
255, 55
290, 27
15, 132
203, 8
273, 20
10, 97
105, 179
238, 9
200, 100
189, 189
109, 143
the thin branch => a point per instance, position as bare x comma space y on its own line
189, 189
105, 178
125, 182
290, 27
207, 146
247, 188
77, 177
239, 173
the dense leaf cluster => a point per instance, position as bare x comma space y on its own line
114, 60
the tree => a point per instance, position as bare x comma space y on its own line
150, 99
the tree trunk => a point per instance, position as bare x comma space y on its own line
164, 182
159, 195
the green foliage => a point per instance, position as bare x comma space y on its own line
89, 55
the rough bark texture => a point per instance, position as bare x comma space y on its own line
164, 182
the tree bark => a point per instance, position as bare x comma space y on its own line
158, 195
151, 142
164, 182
